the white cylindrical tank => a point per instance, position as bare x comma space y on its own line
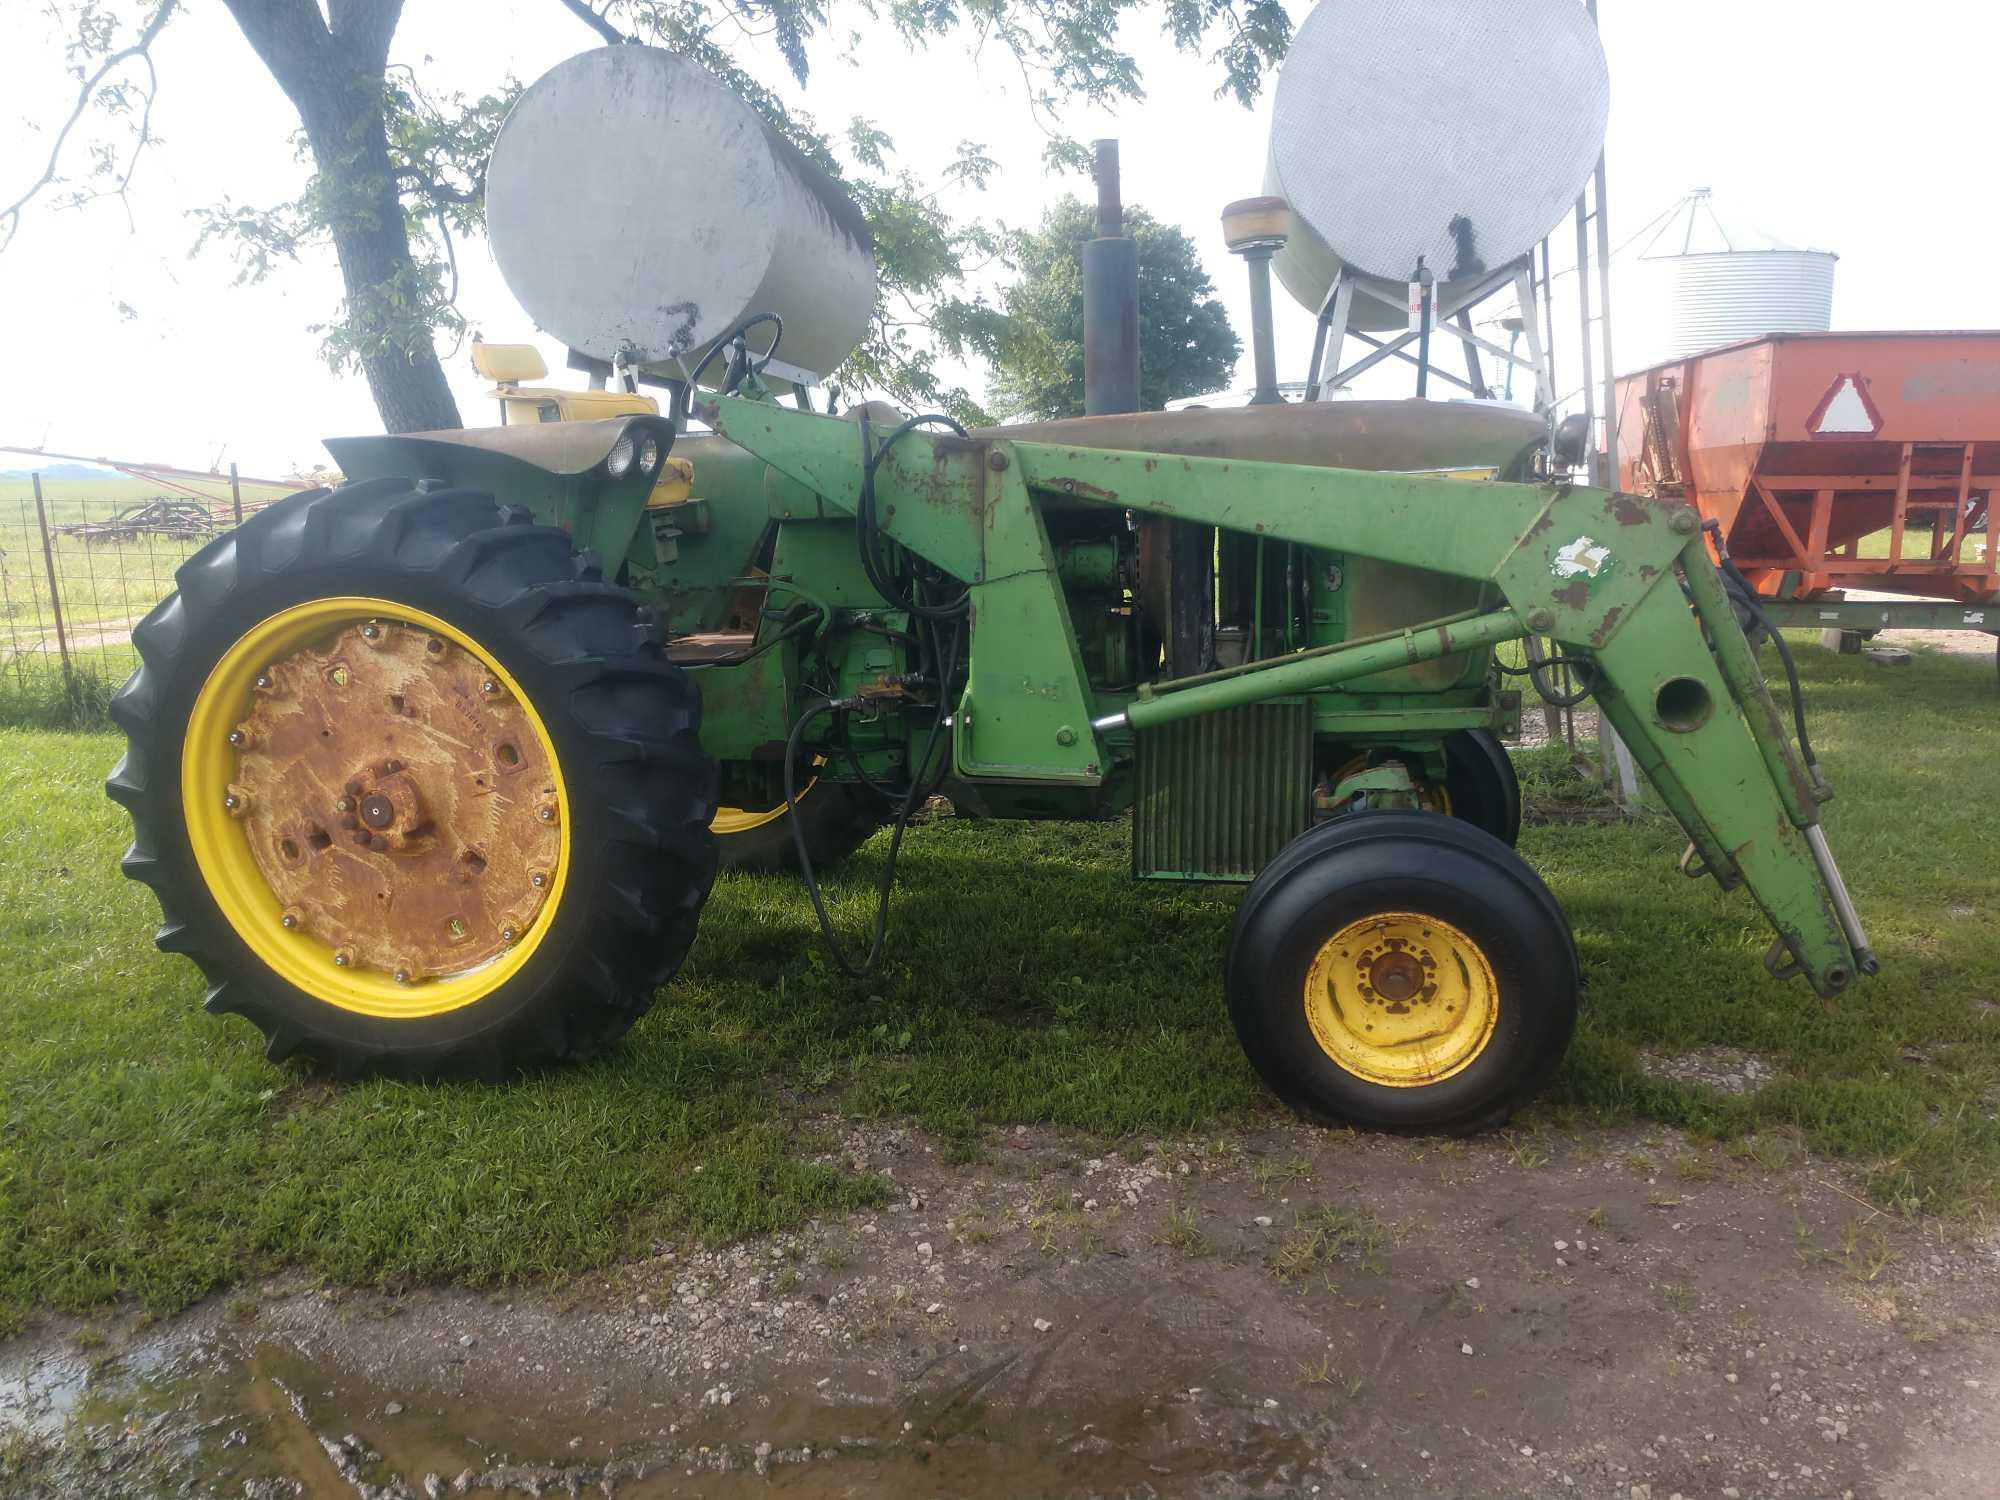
1459, 131
1743, 294
1699, 283
639, 209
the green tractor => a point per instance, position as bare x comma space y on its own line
425, 769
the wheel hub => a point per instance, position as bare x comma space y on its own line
1402, 999
397, 800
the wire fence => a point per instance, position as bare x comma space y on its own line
82, 561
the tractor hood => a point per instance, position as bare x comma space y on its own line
1383, 435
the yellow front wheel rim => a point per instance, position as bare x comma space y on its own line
1402, 999
233, 711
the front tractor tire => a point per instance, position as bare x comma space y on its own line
415, 788
1402, 971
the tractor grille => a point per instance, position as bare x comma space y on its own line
1221, 793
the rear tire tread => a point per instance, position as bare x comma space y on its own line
590, 638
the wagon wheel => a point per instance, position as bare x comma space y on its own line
414, 787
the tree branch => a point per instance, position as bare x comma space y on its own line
10, 216
585, 13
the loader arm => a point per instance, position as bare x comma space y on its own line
1622, 582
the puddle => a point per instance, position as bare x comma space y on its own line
264, 1421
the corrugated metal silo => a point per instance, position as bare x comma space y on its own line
1709, 285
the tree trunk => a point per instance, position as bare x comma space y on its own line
334, 76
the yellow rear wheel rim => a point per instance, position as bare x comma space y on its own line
735, 820
1402, 999
230, 870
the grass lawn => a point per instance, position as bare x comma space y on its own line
148, 1151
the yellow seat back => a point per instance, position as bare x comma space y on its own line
508, 364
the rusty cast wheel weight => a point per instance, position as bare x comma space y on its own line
398, 800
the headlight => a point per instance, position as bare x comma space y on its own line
622, 453
649, 455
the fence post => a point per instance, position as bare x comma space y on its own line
236, 494
55, 591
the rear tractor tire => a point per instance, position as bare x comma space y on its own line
753, 830
415, 788
1402, 971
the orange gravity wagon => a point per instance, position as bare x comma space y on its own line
1835, 461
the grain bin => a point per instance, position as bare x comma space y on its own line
639, 209
1455, 130
1710, 283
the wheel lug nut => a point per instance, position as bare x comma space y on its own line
538, 880
402, 976
508, 934
343, 958
371, 632
238, 738
546, 814
490, 687
263, 679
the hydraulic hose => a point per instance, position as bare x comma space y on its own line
868, 532
1739, 588
915, 796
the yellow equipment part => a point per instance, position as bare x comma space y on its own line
1402, 999
229, 867
549, 403
675, 484
508, 364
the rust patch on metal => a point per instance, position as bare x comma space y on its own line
1575, 595
400, 804
1610, 623
1628, 510
1084, 490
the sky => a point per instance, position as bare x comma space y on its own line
1820, 123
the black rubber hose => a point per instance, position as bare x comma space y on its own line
868, 532
1538, 664
1735, 583
917, 794
811, 618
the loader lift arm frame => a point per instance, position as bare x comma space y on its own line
1622, 580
